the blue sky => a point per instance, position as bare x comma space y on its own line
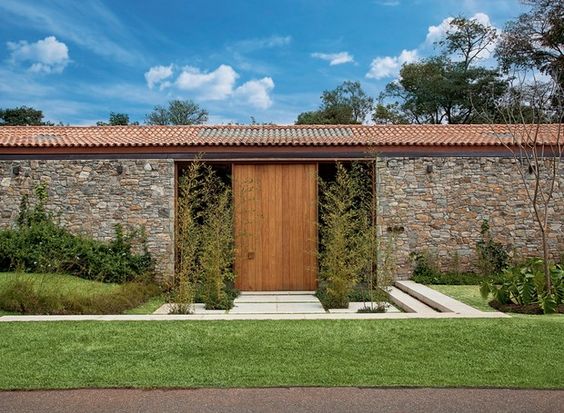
78, 60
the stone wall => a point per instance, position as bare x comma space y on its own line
441, 209
91, 196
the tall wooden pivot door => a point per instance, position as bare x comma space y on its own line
275, 226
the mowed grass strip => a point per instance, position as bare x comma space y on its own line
468, 294
517, 352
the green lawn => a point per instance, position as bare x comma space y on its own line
55, 285
60, 283
149, 307
468, 294
515, 352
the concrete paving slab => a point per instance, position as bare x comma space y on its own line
434, 298
300, 308
355, 306
408, 303
253, 308
275, 298
234, 316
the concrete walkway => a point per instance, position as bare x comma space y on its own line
291, 399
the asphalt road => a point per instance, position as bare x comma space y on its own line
285, 400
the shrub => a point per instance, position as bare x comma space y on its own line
525, 286
217, 248
37, 244
25, 297
444, 278
205, 247
340, 259
492, 256
425, 265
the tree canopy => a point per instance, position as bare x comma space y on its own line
117, 119
21, 116
346, 104
178, 112
536, 40
449, 88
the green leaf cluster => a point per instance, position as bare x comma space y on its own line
525, 284
38, 244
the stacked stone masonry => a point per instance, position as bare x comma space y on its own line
433, 204
436, 205
92, 196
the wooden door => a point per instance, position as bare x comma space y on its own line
275, 227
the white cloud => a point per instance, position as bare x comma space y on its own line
256, 92
436, 33
251, 45
215, 85
389, 66
334, 58
45, 56
387, 3
157, 74
89, 24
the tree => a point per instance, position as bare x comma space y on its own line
536, 40
447, 88
22, 115
438, 90
117, 119
346, 104
468, 39
178, 112
538, 162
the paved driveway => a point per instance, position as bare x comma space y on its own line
285, 400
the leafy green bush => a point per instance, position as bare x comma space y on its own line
37, 244
26, 297
492, 256
425, 265
525, 285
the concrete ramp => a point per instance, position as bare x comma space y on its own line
435, 299
408, 303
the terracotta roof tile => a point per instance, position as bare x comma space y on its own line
271, 135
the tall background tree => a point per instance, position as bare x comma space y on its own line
117, 119
178, 112
449, 88
536, 40
346, 104
22, 115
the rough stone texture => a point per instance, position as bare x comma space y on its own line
441, 211
91, 196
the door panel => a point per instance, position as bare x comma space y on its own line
275, 227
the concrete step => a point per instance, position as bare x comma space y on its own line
408, 303
435, 299
277, 308
276, 298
